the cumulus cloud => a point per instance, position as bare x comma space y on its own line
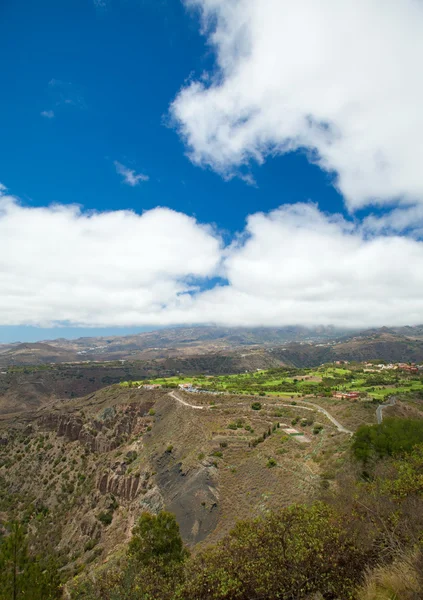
129, 175
294, 265
339, 79
48, 114
60, 264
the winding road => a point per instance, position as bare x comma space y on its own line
182, 401
332, 419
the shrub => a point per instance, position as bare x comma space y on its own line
90, 545
105, 517
392, 437
156, 536
296, 552
256, 406
271, 463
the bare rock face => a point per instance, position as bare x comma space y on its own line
104, 433
90, 527
125, 487
192, 495
152, 501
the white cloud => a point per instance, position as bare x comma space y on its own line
59, 264
298, 266
404, 219
48, 114
129, 175
338, 78
294, 265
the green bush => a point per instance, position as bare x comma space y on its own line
105, 517
156, 536
296, 552
392, 437
256, 406
90, 545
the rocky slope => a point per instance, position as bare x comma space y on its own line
81, 472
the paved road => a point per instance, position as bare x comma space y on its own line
324, 412
379, 411
337, 424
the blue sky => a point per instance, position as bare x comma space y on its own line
120, 67
88, 86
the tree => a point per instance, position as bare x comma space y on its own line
292, 553
156, 537
392, 437
23, 576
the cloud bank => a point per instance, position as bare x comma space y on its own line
338, 79
294, 265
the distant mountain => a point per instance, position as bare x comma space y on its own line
34, 354
299, 346
201, 335
364, 346
160, 344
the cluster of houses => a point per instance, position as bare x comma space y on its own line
408, 367
186, 387
348, 395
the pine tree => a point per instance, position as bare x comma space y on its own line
23, 576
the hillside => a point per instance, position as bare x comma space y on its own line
34, 354
122, 450
367, 346
80, 471
30, 387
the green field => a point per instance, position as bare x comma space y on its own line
293, 383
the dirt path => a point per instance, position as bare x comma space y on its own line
324, 412
178, 399
332, 419
379, 410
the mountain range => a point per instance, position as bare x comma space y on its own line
297, 346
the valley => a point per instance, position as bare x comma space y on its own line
87, 447
211, 449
